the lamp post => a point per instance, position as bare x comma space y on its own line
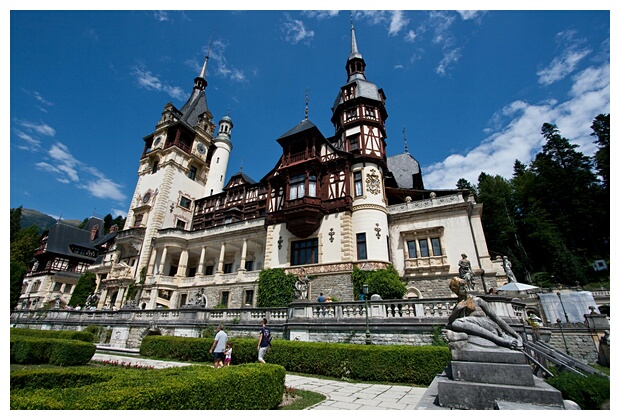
563, 309
365, 291
563, 338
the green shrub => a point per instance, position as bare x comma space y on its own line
590, 392
395, 363
30, 350
86, 336
250, 387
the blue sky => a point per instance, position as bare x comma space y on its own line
470, 89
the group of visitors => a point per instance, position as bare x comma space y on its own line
222, 348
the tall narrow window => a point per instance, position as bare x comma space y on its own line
424, 248
304, 252
297, 187
312, 186
436, 245
228, 268
411, 249
249, 297
155, 166
224, 300
209, 270
354, 142
138, 220
249, 265
192, 172
361, 246
357, 179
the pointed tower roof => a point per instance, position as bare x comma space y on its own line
355, 62
197, 102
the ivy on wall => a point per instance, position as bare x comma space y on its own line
275, 288
385, 282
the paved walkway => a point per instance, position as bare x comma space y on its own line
341, 395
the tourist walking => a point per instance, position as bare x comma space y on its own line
263, 341
218, 347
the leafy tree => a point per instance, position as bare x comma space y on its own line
275, 288
85, 286
385, 282
463, 184
601, 129
16, 219
18, 271
22, 247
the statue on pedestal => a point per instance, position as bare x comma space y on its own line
466, 273
301, 286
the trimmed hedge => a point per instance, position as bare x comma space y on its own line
589, 392
253, 386
65, 335
395, 363
27, 350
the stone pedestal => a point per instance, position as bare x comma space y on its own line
490, 378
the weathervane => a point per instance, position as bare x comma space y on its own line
306, 103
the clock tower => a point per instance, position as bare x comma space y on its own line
173, 172
359, 116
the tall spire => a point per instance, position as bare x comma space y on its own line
354, 52
355, 62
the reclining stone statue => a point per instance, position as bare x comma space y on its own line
472, 316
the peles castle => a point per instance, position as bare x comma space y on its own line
193, 238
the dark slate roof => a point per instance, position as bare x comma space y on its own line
302, 126
61, 236
244, 176
102, 240
363, 89
404, 167
195, 105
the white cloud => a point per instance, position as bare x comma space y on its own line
42, 129
397, 22
564, 64
410, 36
161, 15
393, 20
449, 57
68, 170
31, 143
218, 64
118, 212
470, 14
518, 137
295, 31
321, 14
104, 188
561, 66
147, 80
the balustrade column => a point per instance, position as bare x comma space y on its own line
164, 254
182, 271
220, 263
151, 266
201, 264
244, 251
119, 297
104, 295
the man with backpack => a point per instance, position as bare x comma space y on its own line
264, 341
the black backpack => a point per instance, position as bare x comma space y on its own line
268, 336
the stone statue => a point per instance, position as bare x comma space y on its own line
301, 286
472, 317
466, 273
508, 270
